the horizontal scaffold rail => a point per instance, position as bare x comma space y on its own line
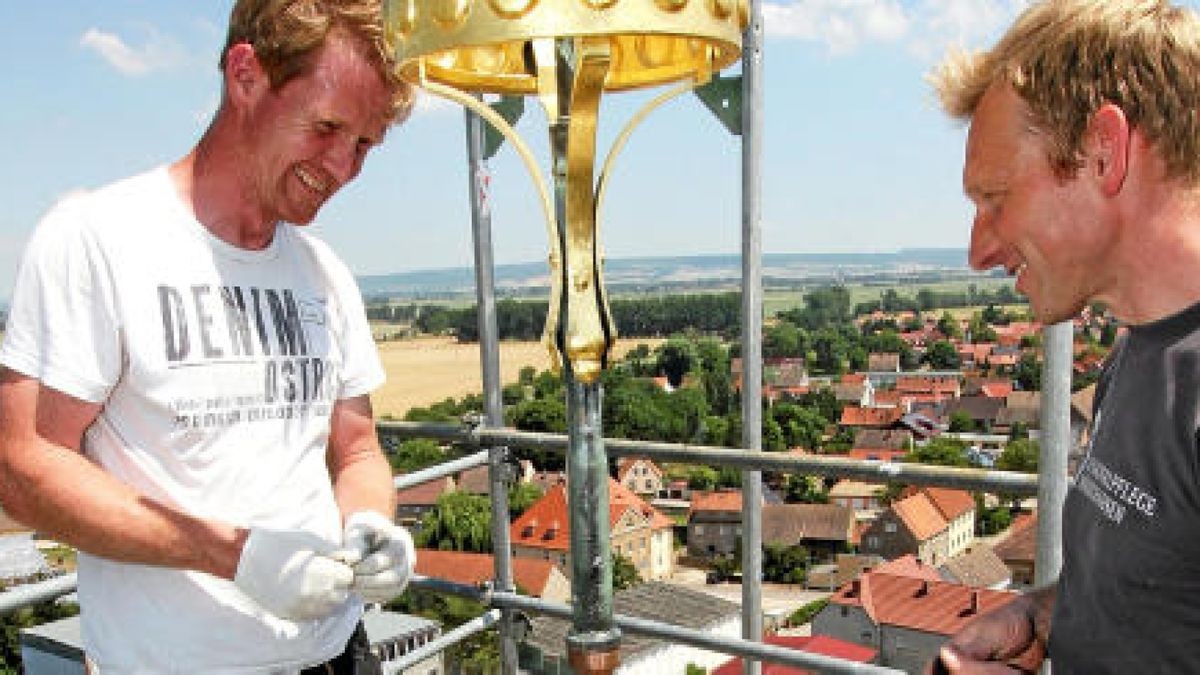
981, 480
664, 631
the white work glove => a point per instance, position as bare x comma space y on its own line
385, 555
293, 575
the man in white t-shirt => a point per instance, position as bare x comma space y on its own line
185, 377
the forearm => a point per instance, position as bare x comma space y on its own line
365, 484
60, 493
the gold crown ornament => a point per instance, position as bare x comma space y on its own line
567, 53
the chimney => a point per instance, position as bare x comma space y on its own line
855, 589
972, 607
923, 589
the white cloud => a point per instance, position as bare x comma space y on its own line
926, 27
970, 24
841, 24
158, 52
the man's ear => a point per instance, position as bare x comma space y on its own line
245, 78
1107, 147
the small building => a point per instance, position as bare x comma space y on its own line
813, 644
1018, 549
543, 651
640, 475
933, 524
905, 619
714, 523
979, 567
56, 648
824, 529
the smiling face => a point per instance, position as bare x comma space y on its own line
1046, 229
309, 137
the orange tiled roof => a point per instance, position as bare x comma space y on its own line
996, 389
920, 516
813, 644
473, 568
730, 500
425, 494
916, 384
618, 494
854, 416
909, 565
920, 604
949, 502
547, 523
1020, 542
881, 454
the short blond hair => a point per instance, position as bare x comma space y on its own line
286, 34
1066, 58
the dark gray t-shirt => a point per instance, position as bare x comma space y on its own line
1129, 593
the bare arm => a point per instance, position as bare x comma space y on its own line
48, 484
362, 477
1009, 639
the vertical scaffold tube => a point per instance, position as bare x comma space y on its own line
489, 354
594, 637
752, 320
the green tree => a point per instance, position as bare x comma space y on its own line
785, 564
940, 451
948, 326
1028, 374
805, 490
415, 454
478, 653
941, 355
1019, 455
961, 421
625, 573
520, 497
459, 522
676, 358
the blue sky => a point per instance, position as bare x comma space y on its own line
857, 156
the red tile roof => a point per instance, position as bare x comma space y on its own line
916, 384
725, 500
949, 502
473, 568
1020, 541
425, 494
920, 516
620, 495
881, 454
854, 416
909, 565
996, 389
547, 523
920, 604
813, 644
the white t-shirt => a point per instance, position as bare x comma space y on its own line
217, 368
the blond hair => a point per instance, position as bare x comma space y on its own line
1066, 58
286, 35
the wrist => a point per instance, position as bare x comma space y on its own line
228, 553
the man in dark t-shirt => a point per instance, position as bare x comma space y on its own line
1083, 163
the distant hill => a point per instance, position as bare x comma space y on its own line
688, 272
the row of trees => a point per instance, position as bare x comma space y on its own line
661, 315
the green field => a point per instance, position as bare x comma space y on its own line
775, 301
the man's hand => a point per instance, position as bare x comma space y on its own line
385, 555
1009, 640
293, 575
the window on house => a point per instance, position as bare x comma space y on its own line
699, 530
889, 527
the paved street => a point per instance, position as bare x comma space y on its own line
779, 599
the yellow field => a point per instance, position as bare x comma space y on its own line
426, 370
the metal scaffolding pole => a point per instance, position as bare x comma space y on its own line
671, 633
489, 353
1055, 442
752, 293
980, 480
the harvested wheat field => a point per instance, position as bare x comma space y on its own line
426, 370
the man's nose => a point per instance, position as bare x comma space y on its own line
985, 249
